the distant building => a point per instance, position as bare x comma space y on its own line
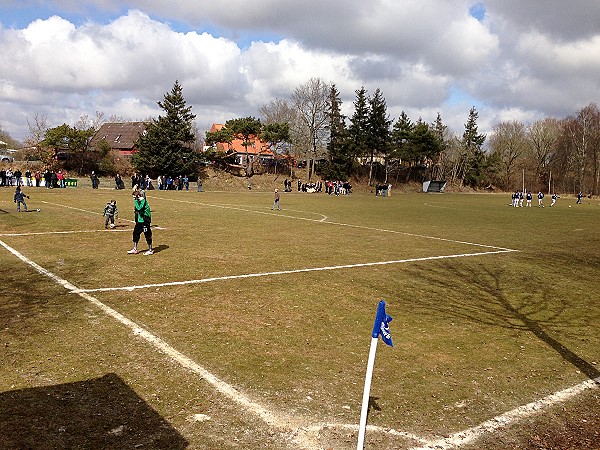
257, 150
121, 136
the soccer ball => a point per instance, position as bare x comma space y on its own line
569, 206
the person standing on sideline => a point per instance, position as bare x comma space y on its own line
276, 201
142, 219
20, 198
110, 212
94, 180
579, 197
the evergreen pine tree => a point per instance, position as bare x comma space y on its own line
475, 157
358, 129
340, 161
378, 123
167, 146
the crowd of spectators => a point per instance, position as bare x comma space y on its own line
49, 179
163, 182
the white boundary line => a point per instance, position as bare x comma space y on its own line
283, 423
276, 420
94, 212
508, 418
43, 233
287, 272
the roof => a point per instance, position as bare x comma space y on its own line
257, 147
120, 135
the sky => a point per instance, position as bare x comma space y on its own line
512, 60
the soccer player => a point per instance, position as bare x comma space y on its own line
110, 212
540, 199
142, 219
20, 198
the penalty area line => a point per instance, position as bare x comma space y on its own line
275, 420
287, 272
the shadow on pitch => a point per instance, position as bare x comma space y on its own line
160, 248
496, 309
98, 413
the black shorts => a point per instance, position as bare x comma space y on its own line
142, 227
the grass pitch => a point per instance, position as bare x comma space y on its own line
494, 307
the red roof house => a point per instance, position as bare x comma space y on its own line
256, 148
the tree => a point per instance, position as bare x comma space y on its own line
37, 129
167, 146
310, 100
358, 130
244, 129
543, 138
417, 144
583, 133
282, 111
340, 160
378, 125
508, 143
277, 136
7, 139
75, 143
473, 172
441, 133
401, 136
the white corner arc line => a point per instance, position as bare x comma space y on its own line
270, 418
288, 272
508, 418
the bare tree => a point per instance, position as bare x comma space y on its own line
85, 122
508, 142
543, 138
311, 100
583, 136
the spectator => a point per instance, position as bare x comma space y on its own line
276, 201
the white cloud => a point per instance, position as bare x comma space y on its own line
528, 60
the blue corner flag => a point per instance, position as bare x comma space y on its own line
381, 325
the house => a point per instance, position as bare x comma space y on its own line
121, 136
256, 150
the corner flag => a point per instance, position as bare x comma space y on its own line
381, 325
380, 328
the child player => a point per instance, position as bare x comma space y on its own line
110, 212
20, 198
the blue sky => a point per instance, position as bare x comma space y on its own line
511, 60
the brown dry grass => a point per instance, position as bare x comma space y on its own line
474, 337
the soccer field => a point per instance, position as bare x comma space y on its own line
250, 328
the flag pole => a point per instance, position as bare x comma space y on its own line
380, 328
366, 394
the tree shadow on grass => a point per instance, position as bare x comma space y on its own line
101, 413
496, 309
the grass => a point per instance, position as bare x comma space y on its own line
474, 336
